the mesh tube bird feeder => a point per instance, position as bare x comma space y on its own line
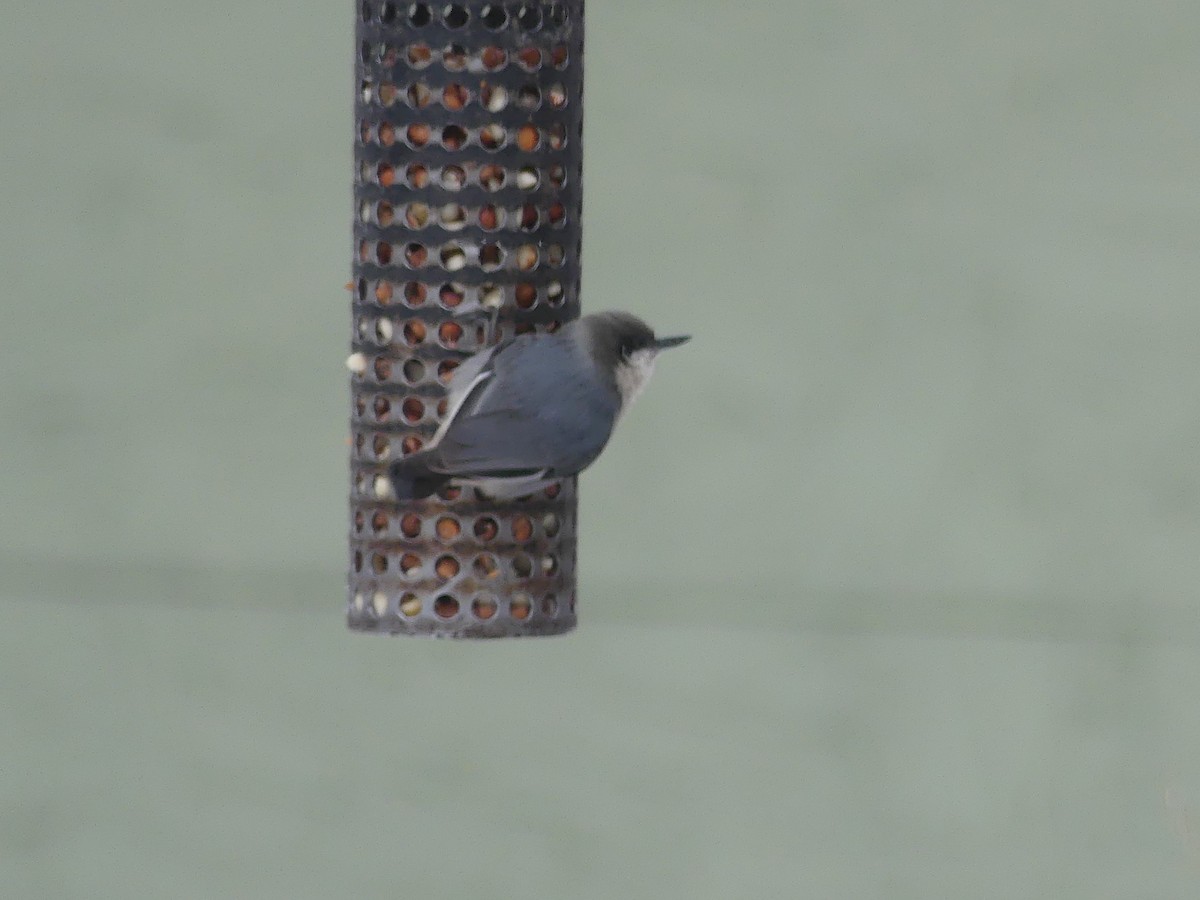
467, 195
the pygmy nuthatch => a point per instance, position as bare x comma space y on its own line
535, 407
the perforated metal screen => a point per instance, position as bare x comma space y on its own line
467, 195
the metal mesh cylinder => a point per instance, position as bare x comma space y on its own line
467, 197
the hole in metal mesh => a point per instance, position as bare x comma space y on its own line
557, 95
410, 525
490, 218
493, 97
412, 409
385, 213
410, 605
388, 94
365, 11
549, 605
379, 563
520, 607
527, 257
557, 214
555, 255
529, 17
414, 370
454, 97
416, 215
418, 95
445, 606
454, 58
453, 178
491, 256
386, 174
558, 175
419, 55
387, 13
453, 257
383, 331
450, 333
492, 58
486, 528
454, 16
380, 446
453, 137
530, 58
494, 16
383, 368
414, 293
448, 528
484, 607
529, 217
442, 406
522, 528
527, 137
409, 563
446, 567
553, 490
382, 407
558, 14
416, 255
418, 14
446, 369
450, 494
550, 524
525, 295
549, 564
451, 294
492, 137
491, 177
383, 252
411, 444
358, 559
485, 566
417, 134
522, 565
453, 217
379, 521
559, 57
529, 96
558, 136
379, 603
491, 296
527, 178
387, 134
414, 332
416, 175
358, 520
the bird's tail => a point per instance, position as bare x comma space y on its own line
412, 478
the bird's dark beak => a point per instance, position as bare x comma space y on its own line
664, 343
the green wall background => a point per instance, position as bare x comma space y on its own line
888, 584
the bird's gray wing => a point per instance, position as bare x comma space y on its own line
532, 408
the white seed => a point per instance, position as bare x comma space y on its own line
497, 99
383, 488
379, 601
356, 363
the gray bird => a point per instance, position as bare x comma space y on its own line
535, 407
